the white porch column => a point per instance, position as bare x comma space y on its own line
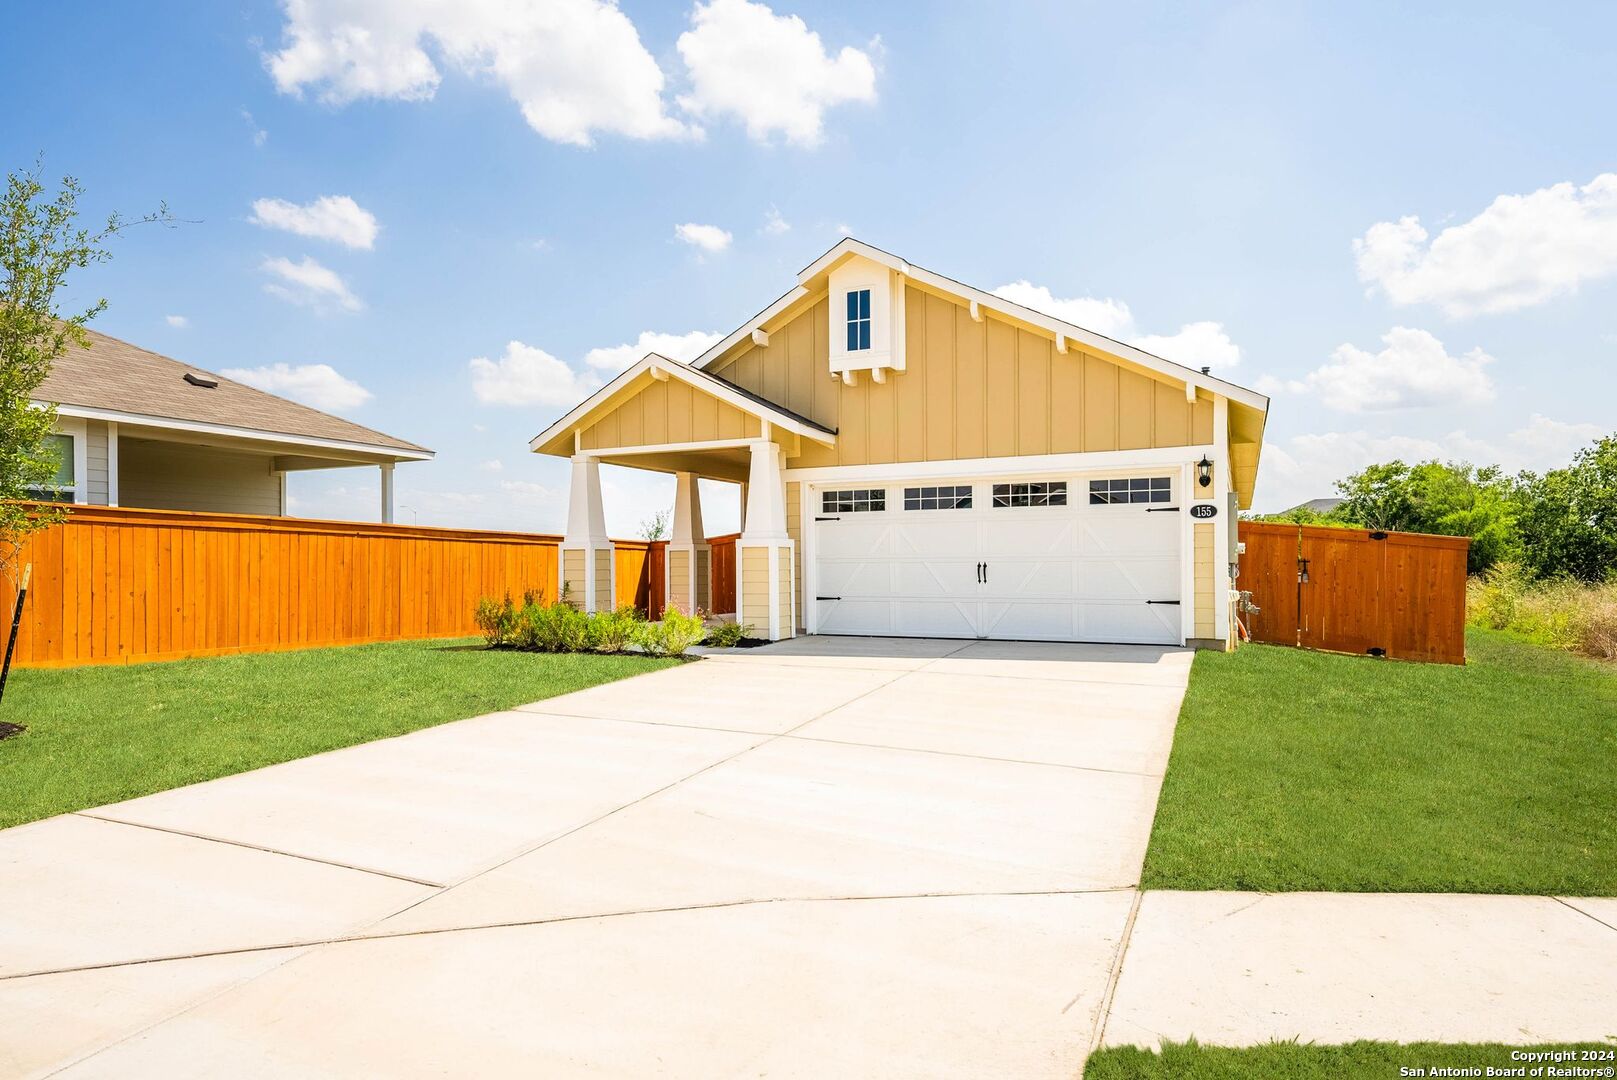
689, 557
387, 492
587, 575
765, 598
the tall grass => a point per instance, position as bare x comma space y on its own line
1566, 614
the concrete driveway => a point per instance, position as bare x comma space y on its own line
829, 857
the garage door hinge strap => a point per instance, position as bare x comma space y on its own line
827, 519
828, 598
1162, 509
1175, 603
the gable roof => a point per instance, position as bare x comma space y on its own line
116, 377
809, 278
656, 364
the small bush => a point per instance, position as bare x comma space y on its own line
727, 635
612, 631
673, 634
497, 620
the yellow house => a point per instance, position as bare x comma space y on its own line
922, 458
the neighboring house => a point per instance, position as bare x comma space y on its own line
138, 429
1315, 506
920, 457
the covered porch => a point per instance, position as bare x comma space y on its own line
664, 416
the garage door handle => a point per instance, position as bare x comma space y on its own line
1175, 603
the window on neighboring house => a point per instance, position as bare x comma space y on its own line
853, 502
1051, 493
938, 498
1136, 489
64, 485
858, 320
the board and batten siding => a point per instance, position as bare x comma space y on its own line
970, 389
794, 529
176, 476
668, 412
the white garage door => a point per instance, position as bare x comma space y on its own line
1081, 559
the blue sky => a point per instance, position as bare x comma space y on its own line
1231, 184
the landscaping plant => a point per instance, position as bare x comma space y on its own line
612, 631
497, 620
673, 634
727, 635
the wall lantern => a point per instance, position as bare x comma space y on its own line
1204, 471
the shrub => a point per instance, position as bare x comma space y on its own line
727, 635
1564, 613
611, 631
497, 620
672, 634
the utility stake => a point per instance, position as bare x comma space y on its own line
16, 623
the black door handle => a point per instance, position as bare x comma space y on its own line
985, 573
979, 573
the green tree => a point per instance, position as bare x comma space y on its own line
41, 242
1567, 518
1454, 499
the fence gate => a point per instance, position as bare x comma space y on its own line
1350, 590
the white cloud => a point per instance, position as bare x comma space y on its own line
709, 238
844, 229
308, 283
330, 217
774, 224
1521, 251
770, 71
1546, 444
1413, 371
260, 136
1196, 344
681, 347
529, 376
491, 465
574, 67
178, 322
317, 385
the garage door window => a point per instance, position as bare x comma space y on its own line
938, 498
1134, 489
1051, 493
856, 501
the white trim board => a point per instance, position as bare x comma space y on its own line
1032, 464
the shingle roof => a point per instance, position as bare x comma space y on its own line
121, 377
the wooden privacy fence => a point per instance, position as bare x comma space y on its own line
1351, 590
641, 566
723, 572
116, 585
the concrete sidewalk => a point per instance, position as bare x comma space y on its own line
1238, 969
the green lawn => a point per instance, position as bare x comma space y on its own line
100, 734
1294, 770
1301, 1061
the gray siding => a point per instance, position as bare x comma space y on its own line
180, 476
95, 462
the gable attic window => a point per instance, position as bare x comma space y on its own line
858, 320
